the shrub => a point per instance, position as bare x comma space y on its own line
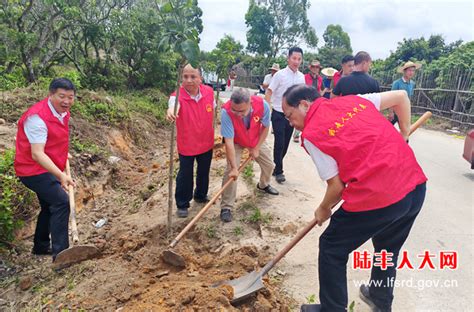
15, 200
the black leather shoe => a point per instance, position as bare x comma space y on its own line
201, 200
226, 215
182, 212
280, 178
364, 294
268, 189
310, 308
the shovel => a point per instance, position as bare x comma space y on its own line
175, 259
76, 253
248, 284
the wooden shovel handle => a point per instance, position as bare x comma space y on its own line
313, 222
424, 118
208, 205
72, 206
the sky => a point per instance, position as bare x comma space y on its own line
373, 26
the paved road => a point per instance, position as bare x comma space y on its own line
444, 224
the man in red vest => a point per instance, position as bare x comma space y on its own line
195, 138
245, 122
41, 153
367, 163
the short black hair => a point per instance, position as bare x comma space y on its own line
296, 93
346, 59
295, 49
362, 56
61, 83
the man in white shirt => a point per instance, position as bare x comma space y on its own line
282, 129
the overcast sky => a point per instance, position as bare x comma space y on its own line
373, 26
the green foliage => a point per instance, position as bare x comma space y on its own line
99, 111
15, 198
221, 59
86, 147
113, 45
119, 108
275, 25
461, 59
182, 24
11, 80
337, 45
248, 173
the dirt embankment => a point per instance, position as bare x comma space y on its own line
127, 184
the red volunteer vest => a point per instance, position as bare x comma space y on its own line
376, 164
195, 133
243, 136
309, 81
57, 144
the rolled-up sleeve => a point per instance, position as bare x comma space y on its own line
36, 130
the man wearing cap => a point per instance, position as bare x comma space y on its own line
245, 121
282, 130
313, 78
195, 138
359, 81
404, 83
347, 66
268, 78
367, 163
42, 144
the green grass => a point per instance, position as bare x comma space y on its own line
238, 231
311, 299
86, 147
258, 217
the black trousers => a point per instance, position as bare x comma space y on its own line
185, 178
282, 132
53, 218
388, 227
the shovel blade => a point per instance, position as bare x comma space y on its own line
173, 258
244, 286
74, 255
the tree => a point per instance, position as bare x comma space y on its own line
275, 25
221, 59
337, 45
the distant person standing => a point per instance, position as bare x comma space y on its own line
404, 83
347, 66
359, 81
282, 130
328, 78
268, 78
231, 80
313, 77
